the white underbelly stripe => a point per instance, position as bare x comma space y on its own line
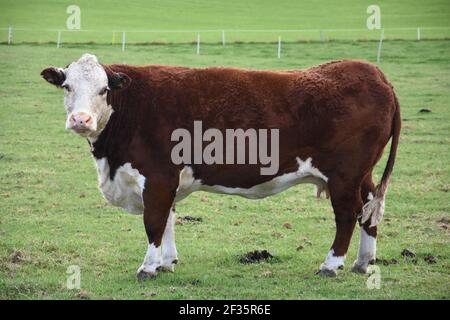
306, 173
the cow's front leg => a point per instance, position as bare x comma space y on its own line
169, 249
151, 264
158, 199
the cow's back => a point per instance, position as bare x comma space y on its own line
319, 107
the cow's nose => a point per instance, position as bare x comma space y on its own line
80, 119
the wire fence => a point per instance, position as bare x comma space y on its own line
220, 37
13, 35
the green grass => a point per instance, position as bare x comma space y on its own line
53, 214
105, 16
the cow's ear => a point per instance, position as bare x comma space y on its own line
55, 76
118, 80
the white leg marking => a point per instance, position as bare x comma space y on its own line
332, 263
152, 261
367, 252
169, 249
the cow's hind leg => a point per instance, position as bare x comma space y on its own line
169, 249
346, 201
368, 237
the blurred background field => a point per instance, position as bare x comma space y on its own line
175, 21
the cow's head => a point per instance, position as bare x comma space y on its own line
86, 84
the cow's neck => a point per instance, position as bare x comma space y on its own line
114, 140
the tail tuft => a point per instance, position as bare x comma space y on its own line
373, 210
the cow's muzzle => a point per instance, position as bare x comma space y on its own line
81, 123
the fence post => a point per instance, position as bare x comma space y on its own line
123, 40
198, 44
58, 41
379, 46
223, 37
113, 40
279, 47
10, 35
418, 34
321, 35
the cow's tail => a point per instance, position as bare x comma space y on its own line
374, 209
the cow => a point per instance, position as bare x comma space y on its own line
333, 120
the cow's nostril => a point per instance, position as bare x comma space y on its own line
81, 119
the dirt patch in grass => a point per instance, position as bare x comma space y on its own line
430, 259
408, 254
386, 262
256, 256
188, 219
17, 257
83, 294
444, 223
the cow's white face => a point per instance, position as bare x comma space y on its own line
86, 85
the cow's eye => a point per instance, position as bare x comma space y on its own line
103, 91
66, 87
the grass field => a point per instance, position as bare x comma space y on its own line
52, 215
105, 16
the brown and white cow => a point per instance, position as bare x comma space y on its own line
334, 121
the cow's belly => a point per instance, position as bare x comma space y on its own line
125, 190
305, 173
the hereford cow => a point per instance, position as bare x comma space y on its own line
333, 121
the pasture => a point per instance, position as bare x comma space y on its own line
38, 22
52, 214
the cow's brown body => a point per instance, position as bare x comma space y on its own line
341, 114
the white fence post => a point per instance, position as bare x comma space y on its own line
9, 35
123, 40
279, 47
418, 34
321, 35
58, 41
198, 44
223, 37
379, 46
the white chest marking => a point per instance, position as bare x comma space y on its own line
125, 190
305, 173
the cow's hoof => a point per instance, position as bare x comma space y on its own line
359, 268
168, 264
167, 268
142, 275
327, 273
